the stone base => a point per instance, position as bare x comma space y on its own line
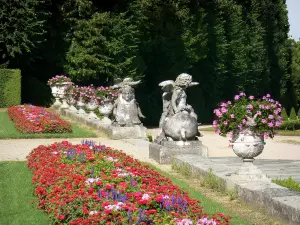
248, 172
136, 132
163, 153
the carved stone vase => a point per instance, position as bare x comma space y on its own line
71, 101
92, 106
106, 110
55, 93
81, 106
62, 95
248, 144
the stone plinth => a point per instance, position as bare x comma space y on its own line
163, 153
136, 132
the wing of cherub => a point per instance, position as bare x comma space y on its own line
167, 86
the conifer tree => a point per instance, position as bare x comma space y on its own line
293, 115
284, 115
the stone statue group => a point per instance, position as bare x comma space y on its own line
178, 120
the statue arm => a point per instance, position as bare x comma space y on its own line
140, 114
173, 100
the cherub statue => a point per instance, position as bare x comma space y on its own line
126, 110
178, 120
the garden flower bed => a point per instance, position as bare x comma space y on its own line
93, 184
33, 119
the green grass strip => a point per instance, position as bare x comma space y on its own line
288, 183
16, 193
8, 131
210, 206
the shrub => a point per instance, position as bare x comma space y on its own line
10, 87
290, 125
284, 115
293, 114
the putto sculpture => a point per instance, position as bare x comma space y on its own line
126, 111
178, 120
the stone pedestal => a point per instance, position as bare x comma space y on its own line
163, 153
136, 132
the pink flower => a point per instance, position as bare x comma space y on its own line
271, 117
278, 123
217, 131
271, 124
244, 121
242, 94
237, 97
264, 121
225, 122
224, 110
258, 113
261, 106
251, 97
250, 106
232, 116
268, 95
268, 107
229, 103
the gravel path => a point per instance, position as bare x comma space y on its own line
139, 149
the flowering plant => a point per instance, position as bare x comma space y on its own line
94, 184
87, 93
103, 94
58, 79
33, 119
231, 117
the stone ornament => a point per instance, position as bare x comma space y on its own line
178, 120
126, 111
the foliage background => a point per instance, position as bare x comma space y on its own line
227, 45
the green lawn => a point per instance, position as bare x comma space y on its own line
8, 131
16, 193
280, 132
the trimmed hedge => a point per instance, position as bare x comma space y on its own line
10, 87
290, 125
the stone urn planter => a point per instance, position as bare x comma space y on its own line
92, 106
55, 93
71, 102
62, 86
248, 144
81, 106
106, 110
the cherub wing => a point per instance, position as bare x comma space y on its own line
193, 84
167, 86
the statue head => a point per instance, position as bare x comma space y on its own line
127, 93
183, 80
